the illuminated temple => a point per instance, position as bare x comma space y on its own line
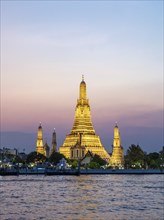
39, 141
40, 146
117, 158
82, 137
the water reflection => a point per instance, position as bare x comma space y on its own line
82, 197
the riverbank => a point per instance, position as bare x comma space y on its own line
44, 171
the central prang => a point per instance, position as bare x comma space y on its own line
83, 130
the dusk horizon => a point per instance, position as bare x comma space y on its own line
137, 135
118, 47
82, 109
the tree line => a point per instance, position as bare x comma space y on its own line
135, 158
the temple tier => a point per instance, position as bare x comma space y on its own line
83, 127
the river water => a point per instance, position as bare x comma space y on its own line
82, 197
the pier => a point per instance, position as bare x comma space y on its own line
51, 172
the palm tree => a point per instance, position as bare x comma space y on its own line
135, 157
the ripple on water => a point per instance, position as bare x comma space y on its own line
83, 197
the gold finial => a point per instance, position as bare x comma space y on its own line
82, 77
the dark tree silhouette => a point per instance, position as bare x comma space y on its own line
56, 157
35, 157
135, 157
99, 160
17, 159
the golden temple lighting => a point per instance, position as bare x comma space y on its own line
40, 146
83, 126
39, 142
117, 158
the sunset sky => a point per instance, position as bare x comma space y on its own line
46, 46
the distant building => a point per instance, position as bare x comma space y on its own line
117, 158
8, 151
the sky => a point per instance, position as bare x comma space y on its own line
46, 46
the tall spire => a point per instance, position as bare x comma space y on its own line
117, 159
116, 140
83, 93
54, 143
83, 126
39, 142
40, 133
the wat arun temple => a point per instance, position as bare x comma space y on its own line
83, 138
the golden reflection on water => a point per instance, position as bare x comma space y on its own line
82, 197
